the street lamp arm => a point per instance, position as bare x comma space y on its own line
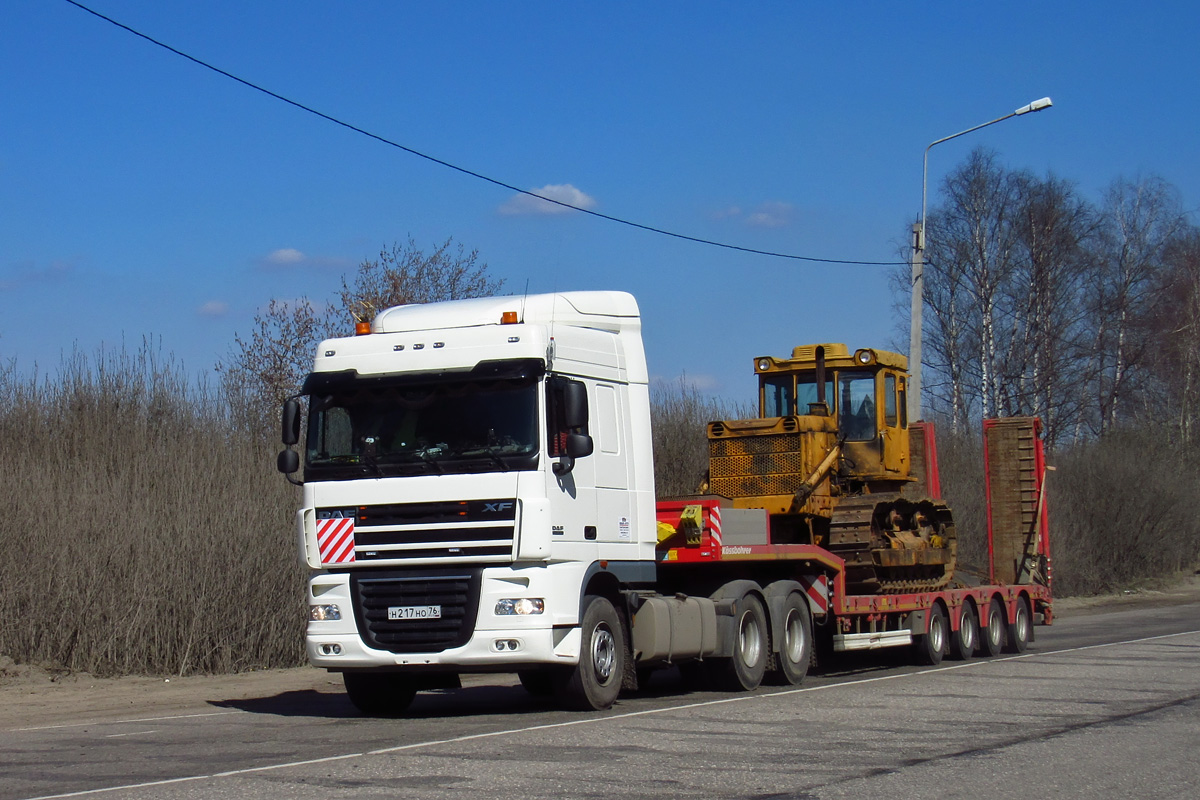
1036, 105
918, 261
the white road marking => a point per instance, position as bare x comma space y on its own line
124, 721
745, 698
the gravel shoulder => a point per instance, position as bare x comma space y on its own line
34, 697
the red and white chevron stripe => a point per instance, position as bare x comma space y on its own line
817, 589
335, 540
714, 525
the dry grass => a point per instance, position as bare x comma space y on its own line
148, 539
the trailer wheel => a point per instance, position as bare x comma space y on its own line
379, 694
1019, 629
745, 669
795, 651
992, 640
931, 646
595, 682
964, 640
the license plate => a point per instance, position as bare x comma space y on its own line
414, 612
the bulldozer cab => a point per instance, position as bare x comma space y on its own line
863, 392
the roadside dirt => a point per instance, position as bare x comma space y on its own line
34, 697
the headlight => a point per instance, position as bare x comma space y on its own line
520, 606
327, 611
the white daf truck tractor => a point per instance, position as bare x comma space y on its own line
478, 496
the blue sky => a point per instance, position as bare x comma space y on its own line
144, 196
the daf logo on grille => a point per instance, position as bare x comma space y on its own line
496, 508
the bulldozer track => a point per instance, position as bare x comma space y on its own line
856, 534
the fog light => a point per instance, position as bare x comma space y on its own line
501, 645
520, 606
330, 649
321, 613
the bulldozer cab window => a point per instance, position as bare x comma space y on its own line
778, 399
856, 395
890, 412
806, 392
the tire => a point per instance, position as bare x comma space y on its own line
1020, 630
796, 642
991, 640
595, 682
379, 694
538, 682
964, 640
744, 670
931, 647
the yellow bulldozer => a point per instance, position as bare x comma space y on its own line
835, 461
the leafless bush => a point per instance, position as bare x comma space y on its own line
960, 465
144, 536
1123, 513
1120, 509
679, 419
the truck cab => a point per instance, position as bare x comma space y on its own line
472, 471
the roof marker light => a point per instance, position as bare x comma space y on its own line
508, 318
362, 328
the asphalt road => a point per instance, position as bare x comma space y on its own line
1101, 706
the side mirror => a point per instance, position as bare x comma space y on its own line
291, 423
288, 462
575, 408
578, 445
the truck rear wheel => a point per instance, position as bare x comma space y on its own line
595, 682
931, 646
744, 670
992, 640
795, 649
1020, 629
963, 641
379, 694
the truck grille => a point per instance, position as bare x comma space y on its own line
455, 593
467, 531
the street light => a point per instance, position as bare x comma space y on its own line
918, 262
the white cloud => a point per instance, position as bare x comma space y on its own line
284, 257
213, 308
523, 204
772, 214
291, 258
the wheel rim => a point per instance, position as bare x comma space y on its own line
793, 636
1022, 623
966, 631
604, 652
749, 640
937, 633
995, 632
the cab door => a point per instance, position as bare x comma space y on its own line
894, 427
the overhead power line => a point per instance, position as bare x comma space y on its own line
464, 170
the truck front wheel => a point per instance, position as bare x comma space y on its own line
596, 681
379, 694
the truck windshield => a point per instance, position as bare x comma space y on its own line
376, 430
